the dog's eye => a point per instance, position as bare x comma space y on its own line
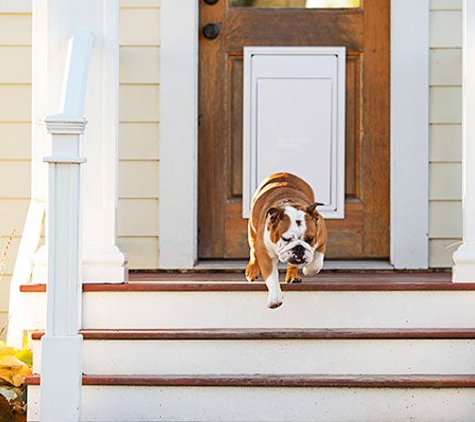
285, 239
309, 240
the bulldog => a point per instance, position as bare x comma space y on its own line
284, 226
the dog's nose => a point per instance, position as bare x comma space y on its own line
299, 251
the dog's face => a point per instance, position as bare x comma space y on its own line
293, 233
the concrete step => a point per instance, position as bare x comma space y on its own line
275, 351
276, 398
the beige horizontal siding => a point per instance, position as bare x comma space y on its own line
446, 4
139, 65
15, 6
446, 28
446, 67
15, 103
15, 141
139, 114
446, 105
15, 29
445, 171
10, 260
3, 320
15, 179
140, 26
5, 277
446, 219
143, 147
445, 145
16, 64
13, 215
15, 132
138, 217
445, 181
138, 179
139, 103
139, 3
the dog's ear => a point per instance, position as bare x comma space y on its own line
312, 210
274, 214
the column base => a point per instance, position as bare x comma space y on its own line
463, 270
104, 264
101, 264
61, 370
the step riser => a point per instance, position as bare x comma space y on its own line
306, 309
237, 404
115, 357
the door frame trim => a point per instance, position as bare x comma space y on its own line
178, 186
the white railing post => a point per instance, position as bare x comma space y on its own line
61, 366
464, 257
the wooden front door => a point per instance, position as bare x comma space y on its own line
364, 31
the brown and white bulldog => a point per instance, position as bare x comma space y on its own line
285, 226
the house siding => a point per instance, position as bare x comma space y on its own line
15, 148
139, 112
445, 148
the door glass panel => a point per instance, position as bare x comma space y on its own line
309, 4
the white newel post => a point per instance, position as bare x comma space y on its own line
61, 365
464, 257
54, 21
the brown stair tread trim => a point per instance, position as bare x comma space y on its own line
327, 281
284, 380
276, 334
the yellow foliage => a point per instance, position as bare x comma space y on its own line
15, 365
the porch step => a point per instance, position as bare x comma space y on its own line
278, 398
275, 351
280, 380
204, 347
349, 300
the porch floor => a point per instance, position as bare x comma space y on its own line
326, 277
344, 265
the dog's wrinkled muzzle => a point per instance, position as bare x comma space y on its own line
296, 255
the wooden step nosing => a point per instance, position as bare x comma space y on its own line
278, 334
284, 381
260, 287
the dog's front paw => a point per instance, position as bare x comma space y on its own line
292, 275
315, 266
291, 280
252, 271
274, 301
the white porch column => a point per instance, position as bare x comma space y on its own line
464, 257
54, 21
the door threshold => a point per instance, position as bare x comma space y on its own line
240, 265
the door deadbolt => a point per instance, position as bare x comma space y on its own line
211, 31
